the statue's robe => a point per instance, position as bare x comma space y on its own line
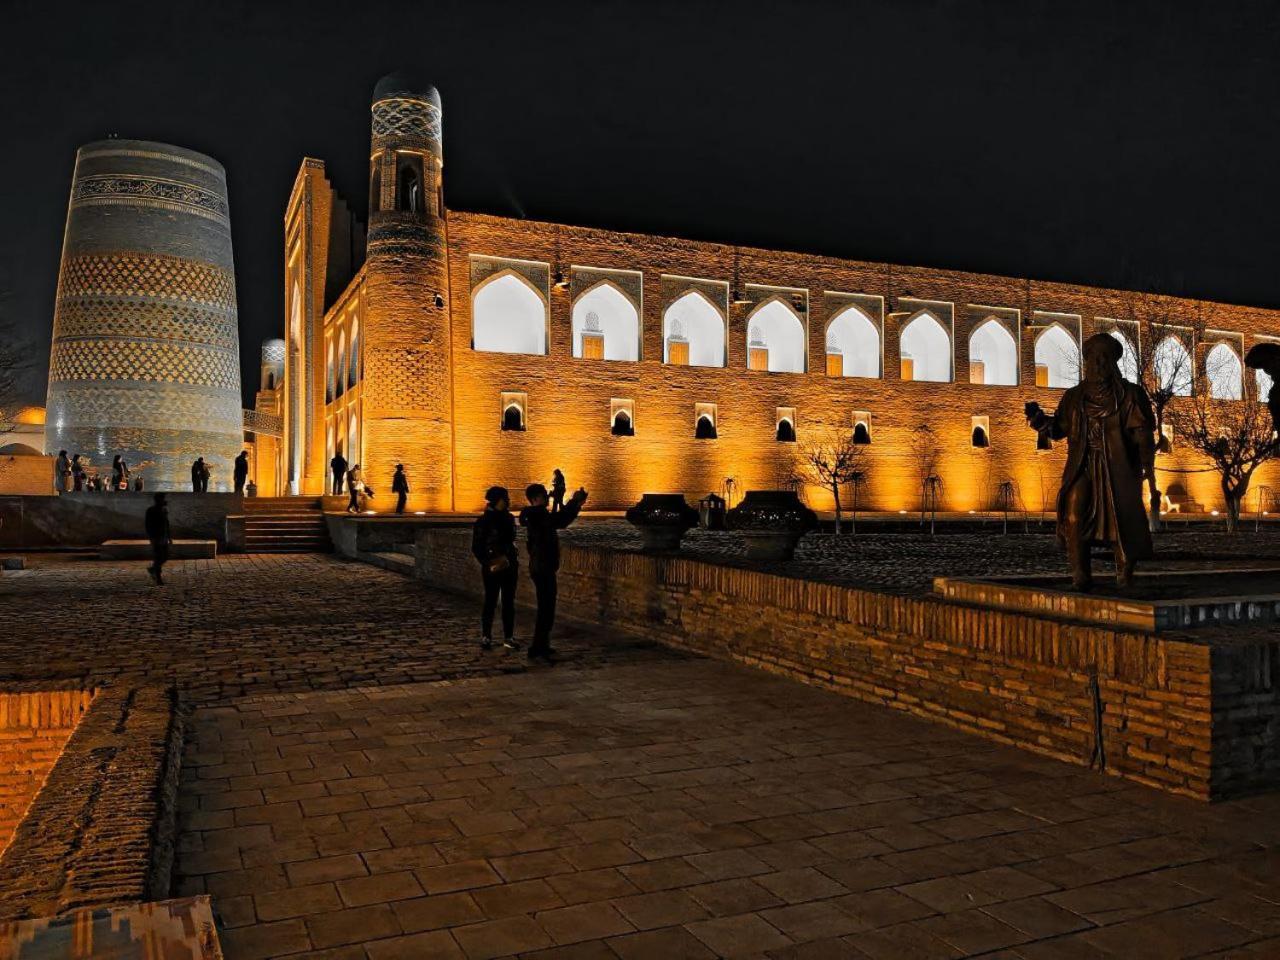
1106, 427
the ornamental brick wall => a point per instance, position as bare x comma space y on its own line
101, 830
26, 475
569, 399
1179, 713
34, 726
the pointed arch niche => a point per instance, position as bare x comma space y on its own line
1225, 372
509, 305
924, 346
606, 317
776, 339
1057, 357
693, 324
993, 354
1172, 367
1126, 334
853, 341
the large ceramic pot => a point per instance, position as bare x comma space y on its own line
772, 523
662, 519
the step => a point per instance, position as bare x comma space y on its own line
395, 562
404, 548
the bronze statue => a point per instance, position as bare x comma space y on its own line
1109, 428
1266, 357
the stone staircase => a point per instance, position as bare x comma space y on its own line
285, 525
399, 559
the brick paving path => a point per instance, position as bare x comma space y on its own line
662, 806
250, 624
687, 808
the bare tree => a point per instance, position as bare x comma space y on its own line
831, 460
1237, 437
925, 453
15, 361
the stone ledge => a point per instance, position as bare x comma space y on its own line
101, 829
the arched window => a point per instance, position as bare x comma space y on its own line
508, 316
605, 314
786, 431
329, 448
693, 332
1059, 355
861, 434
1171, 364
353, 368
781, 333
853, 335
1128, 359
328, 377
409, 191
375, 186
706, 428
1225, 373
622, 426
513, 417
980, 438
926, 350
993, 355
340, 379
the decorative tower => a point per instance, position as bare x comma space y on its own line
145, 360
407, 404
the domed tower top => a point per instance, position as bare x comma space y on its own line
406, 114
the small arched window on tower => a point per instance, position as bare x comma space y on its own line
375, 186
862, 427
409, 183
705, 421
514, 406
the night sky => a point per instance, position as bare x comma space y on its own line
1122, 144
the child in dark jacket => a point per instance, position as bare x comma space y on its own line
493, 543
544, 558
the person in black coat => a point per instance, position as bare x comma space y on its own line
544, 558
339, 467
197, 475
156, 522
400, 487
493, 543
241, 470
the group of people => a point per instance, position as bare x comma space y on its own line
73, 475
493, 543
359, 491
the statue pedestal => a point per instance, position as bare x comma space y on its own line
1155, 602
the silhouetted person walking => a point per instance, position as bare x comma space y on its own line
355, 486
77, 474
61, 473
557, 490
544, 558
157, 525
400, 487
241, 470
493, 543
117, 473
339, 467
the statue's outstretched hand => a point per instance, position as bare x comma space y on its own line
1031, 410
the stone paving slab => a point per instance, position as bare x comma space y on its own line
689, 808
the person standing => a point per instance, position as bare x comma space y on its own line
400, 487
117, 473
241, 470
156, 522
558, 488
339, 467
77, 474
355, 486
493, 543
61, 473
544, 559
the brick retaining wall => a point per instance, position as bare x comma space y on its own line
1179, 713
101, 829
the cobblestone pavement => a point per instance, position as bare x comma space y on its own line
251, 624
690, 809
906, 563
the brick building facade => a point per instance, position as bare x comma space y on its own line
477, 349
